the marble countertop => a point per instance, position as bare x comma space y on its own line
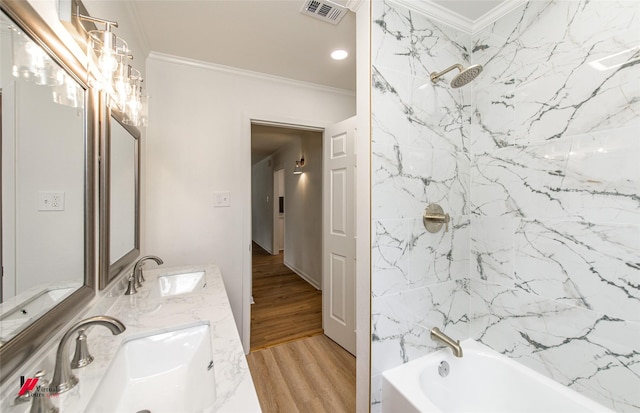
146, 312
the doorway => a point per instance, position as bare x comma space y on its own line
286, 214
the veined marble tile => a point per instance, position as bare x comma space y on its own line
389, 257
593, 176
438, 257
567, 99
401, 322
521, 181
590, 265
411, 111
602, 181
587, 351
549, 71
410, 43
407, 179
401, 180
492, 248
388, 109
405, 256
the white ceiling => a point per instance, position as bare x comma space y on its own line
267, 36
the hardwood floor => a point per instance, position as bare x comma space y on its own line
286, 306
295, 367
310, 375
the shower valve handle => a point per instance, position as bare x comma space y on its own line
434, 217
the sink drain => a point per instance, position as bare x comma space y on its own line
144, 411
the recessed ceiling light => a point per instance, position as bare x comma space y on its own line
339, 54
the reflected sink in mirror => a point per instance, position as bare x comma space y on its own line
176, 284
168, 371
12, 320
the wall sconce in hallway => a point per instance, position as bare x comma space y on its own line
298, 168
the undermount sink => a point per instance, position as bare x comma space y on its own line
168, 371
176, 284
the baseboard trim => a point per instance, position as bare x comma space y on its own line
302, 275
262, 246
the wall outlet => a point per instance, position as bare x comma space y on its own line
222, 199
50, 201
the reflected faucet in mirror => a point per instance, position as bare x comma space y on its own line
63, 379
137, 268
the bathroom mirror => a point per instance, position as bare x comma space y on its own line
120, 244
47, 185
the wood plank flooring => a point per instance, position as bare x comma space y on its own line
311, 375
286, 306
295, 368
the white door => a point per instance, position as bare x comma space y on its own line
338, 234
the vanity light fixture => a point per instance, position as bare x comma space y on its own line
108, 60
105, 50
297, 170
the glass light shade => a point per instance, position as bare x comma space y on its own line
103, 44
297, 170
121, 86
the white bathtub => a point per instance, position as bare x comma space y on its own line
481, 381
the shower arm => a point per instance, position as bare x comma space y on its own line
435, 75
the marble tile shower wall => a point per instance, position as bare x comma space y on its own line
537, 163
420, 155
555, 194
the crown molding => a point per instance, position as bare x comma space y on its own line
354, 5
162, 57
495, 14
450, 18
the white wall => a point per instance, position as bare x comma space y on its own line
262, 204
198, 143
303, 207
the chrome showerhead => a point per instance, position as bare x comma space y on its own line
465, 76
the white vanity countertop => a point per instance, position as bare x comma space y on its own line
145, 312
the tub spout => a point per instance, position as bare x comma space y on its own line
436, 334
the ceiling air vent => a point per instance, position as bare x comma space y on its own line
324, 10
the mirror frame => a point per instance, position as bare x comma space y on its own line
20, 348
108, 271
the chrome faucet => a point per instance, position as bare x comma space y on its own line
436, 334
63, 379
137, 269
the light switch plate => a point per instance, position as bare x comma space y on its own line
222, 199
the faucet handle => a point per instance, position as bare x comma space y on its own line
81, 357
131, 287
140, 275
